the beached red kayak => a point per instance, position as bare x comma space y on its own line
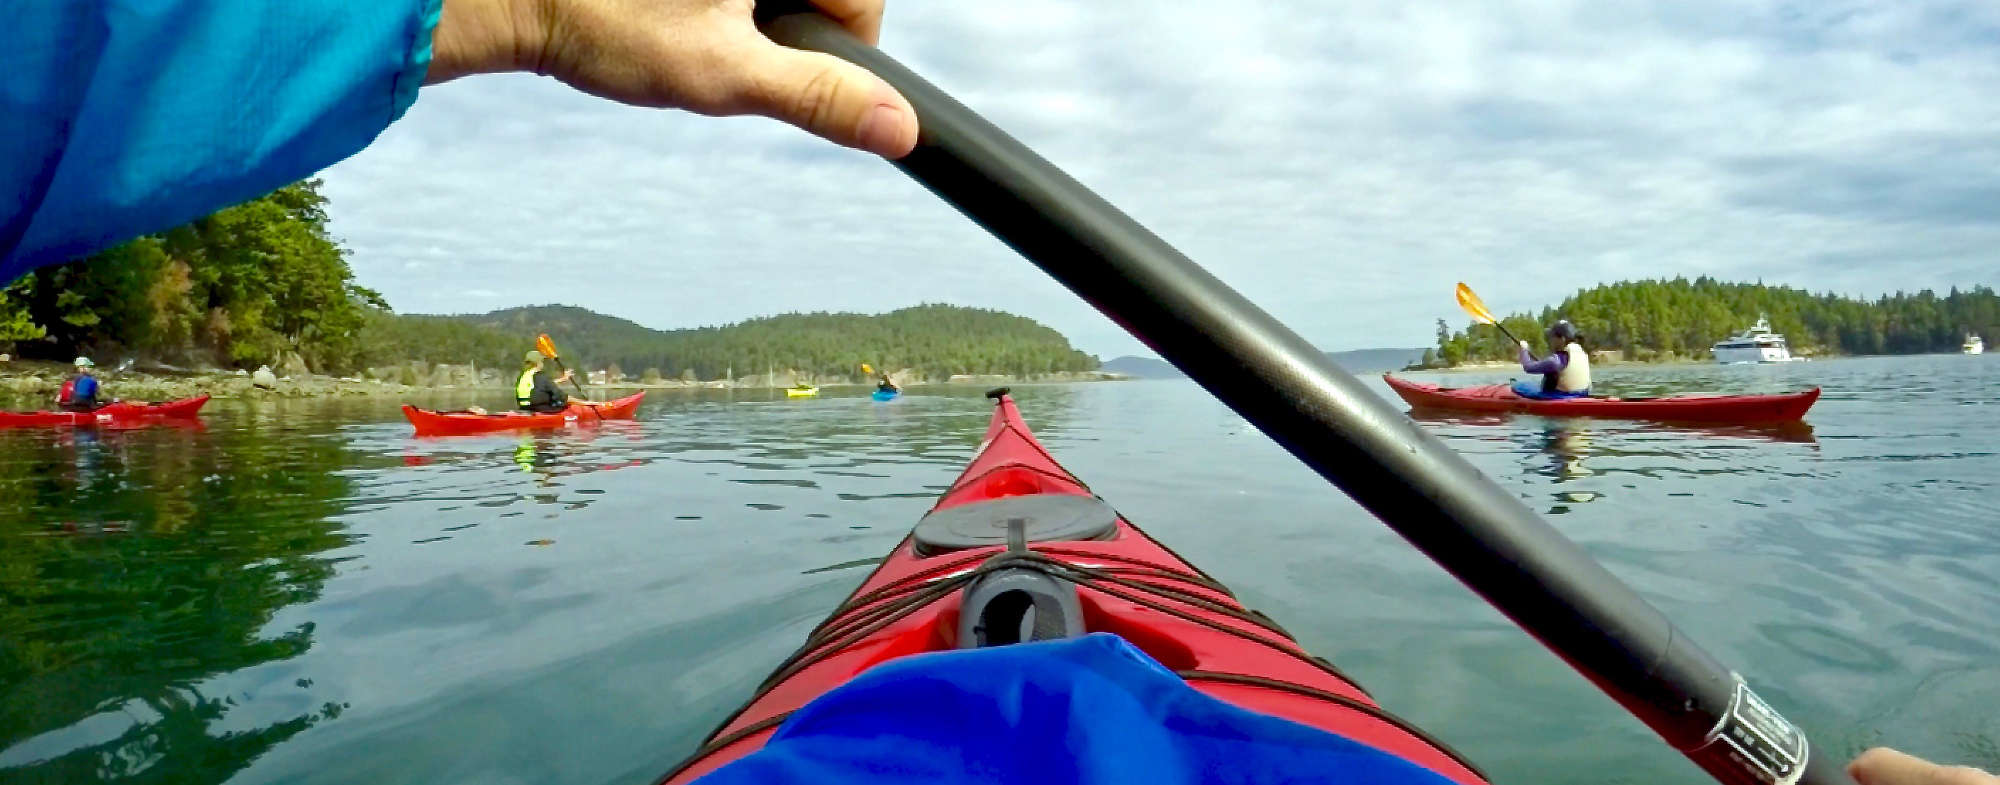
434, 423
118, 412
927, 593
1737, 409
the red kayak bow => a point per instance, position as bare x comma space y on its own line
1123, 582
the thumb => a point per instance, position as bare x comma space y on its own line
1884, 766
830, 97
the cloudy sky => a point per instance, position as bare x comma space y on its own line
1341, 163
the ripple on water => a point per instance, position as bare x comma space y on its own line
336, 602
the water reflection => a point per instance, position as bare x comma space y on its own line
134, 565
1791, 432
549, 456
546, 454
1586, 458
305, 593
1566, 442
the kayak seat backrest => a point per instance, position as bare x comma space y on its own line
1017, 606
1048, 517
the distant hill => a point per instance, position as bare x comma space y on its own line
933, 340
1360, 361
1357, 361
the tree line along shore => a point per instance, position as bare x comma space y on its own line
33, 381
1677, 320
259, 297
264, 285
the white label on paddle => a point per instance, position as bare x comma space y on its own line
1760, 741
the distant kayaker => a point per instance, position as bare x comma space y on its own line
1565, 373
884, 385
536, 392
79, 391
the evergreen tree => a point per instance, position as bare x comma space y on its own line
237, 287
1655, 318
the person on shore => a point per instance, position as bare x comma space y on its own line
536, 392
79, 391
111, 145
1565, 373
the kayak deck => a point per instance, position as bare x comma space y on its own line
436, 423
1733, 409
1125, 583
115, 412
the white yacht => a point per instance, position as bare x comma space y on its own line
1755, 345
1973, 345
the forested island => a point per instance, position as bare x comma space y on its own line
926, 342
238, 288
263, 283
1679, 319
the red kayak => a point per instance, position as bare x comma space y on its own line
114, 413
1734, 409
1121, 580
434, 423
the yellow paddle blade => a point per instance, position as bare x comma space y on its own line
866, 369
545, 346
1470, 302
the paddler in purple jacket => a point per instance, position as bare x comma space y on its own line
1565, 374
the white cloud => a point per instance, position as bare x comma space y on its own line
1342, 165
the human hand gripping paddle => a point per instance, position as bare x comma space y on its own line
548, 349
1408, 478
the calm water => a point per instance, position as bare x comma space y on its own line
302, 592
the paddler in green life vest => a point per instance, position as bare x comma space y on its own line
1565, 374
536, 392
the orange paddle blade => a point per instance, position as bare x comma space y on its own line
545, 346
1470, 302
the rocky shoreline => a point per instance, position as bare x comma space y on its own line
31, 380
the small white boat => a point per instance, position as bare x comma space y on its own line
1973, 345
1755, 345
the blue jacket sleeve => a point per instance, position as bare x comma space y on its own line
123, 117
